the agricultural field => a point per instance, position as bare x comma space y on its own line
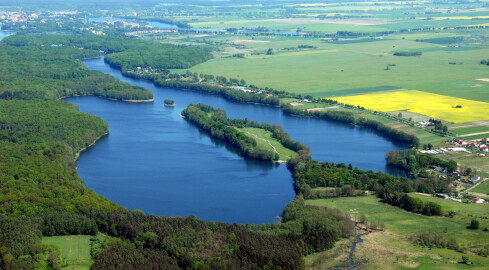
363, 65
433, 105
392, 248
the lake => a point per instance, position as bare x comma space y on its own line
155, 161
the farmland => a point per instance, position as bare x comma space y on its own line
433, 105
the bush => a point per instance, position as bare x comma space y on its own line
474, 224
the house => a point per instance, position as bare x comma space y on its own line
475, 178
440, 170
455, 175
479, 200
485, 149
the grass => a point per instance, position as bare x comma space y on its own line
433, 105
470, 130
392, 249
75, 249
482, 188
264, 140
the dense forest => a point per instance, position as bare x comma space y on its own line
47, 67
159, 56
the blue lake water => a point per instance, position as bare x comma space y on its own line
155, 161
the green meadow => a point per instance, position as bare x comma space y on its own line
264, 140
75, 250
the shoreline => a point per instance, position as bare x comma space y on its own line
77, 155
136, 100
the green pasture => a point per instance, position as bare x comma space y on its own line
264, 140
75, 249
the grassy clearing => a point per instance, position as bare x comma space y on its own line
264, 140
75, 249
392, 248
433, 105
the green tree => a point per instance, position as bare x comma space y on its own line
474, 224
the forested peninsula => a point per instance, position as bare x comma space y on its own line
239, 133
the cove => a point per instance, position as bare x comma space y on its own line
155, 161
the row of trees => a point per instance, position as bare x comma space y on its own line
349, 118
411, 204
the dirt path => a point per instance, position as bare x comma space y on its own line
484, 123
474, 186
473, 134
274, 149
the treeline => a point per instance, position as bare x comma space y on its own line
349, 118
33, 67
170, 80
406, 53
214, 122
416, 163
411, 204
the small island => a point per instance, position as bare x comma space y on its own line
170, 103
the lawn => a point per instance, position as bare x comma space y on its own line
264, 140
433, 105
75, 249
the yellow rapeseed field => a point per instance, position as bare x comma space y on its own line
432, 105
